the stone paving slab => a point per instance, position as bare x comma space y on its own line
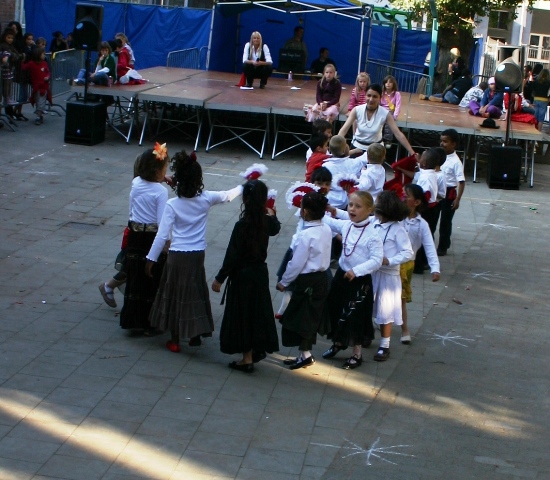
82, 399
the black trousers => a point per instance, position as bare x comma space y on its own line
431, 215
263, 72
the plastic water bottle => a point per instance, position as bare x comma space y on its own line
290, 75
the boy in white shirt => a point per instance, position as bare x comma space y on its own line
373, 176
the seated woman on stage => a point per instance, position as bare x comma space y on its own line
257, 62
371, 118
491, 102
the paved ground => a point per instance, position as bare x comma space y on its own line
82, 399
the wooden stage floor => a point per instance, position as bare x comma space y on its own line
262, 117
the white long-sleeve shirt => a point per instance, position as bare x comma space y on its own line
311, 251
419, 234
427, 179
147, 201
185, 219
362, 249
372, 179
453, 169
396, 244
337, 196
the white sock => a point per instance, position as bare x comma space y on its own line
284, 302
108, 289
306, 354
385, 342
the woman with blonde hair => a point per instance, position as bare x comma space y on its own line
257, 62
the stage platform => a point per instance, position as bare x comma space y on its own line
274, 116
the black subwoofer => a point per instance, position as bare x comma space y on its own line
87, 26
85, 123
504, 167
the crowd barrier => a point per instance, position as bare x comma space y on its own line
408, 80
196, 58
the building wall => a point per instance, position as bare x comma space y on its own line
7, 11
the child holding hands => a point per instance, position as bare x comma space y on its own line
305, 314
373, 176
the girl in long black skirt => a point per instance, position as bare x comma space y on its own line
248, 326
147, 201
306, 314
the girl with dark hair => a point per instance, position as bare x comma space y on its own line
39, 73
247, 326
389, 211
182, 304
420, 236
371, 119
306, 314
9, 59
147, 201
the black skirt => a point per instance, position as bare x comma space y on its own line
350, 307
140, 290
306, 314
248, 321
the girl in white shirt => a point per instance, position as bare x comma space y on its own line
182, 304
306, 314
389, 211
350, 299
420, 236
147, 201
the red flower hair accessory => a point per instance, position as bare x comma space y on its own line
271, 196
297, 191
193, 156
255, 171
160, 151
398, 189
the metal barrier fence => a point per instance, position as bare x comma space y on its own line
189, 58
64, 67
408, 80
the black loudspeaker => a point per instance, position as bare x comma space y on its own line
509, 76
504, 168
85, 123
87, 26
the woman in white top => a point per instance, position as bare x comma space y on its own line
182, 304
257, 62
371, 118
147, 201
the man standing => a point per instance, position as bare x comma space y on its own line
296, 43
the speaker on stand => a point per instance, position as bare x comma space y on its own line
85, 121
504, 167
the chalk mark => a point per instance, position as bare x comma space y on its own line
498, 226
487, 276
448, 338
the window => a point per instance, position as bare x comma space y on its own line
499, 19
534, 40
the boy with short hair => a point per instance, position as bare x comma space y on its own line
317, 127
319, 146
373, 176
454, 175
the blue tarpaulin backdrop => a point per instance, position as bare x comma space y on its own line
155, 31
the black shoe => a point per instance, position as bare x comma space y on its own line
442, 252
303, 362
352, 362
262, 86
248, 85
333, 350
195, 341
290, 361
258, 356
245, 367
382, 354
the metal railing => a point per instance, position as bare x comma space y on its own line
64, 67
188, 58
407, 79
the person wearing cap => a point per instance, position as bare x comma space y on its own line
491, 102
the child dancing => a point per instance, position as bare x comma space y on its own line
147, 201
182, 304
350, 300
247, 326
389, 211
306, 313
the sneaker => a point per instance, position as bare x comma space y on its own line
38, 121
78, 81
382, 354
441, 252
262, 86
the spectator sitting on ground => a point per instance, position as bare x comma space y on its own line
456, 90
318, 65
58, 43
475, 93
296, 43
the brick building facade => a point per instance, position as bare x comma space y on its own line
7, 12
